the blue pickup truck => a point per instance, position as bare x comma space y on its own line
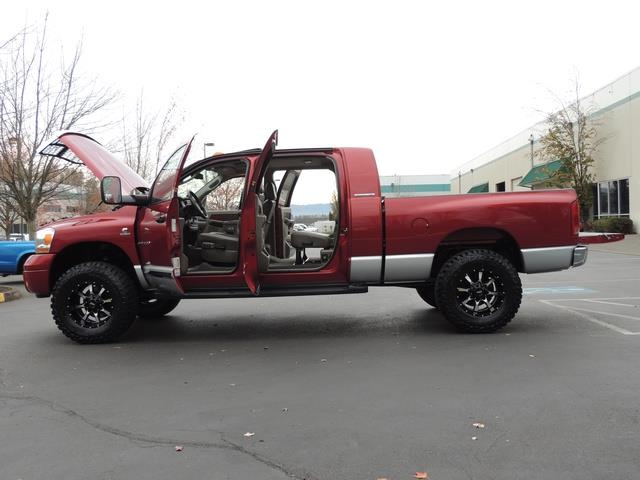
13, 256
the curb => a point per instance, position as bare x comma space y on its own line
7, 294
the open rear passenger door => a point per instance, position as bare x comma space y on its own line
159, 228
252, 207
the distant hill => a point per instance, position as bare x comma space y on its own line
314, 209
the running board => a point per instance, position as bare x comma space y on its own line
279, 291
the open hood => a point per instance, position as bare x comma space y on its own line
95, 157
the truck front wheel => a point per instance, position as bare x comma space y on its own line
94, 302
478, 291
156, 307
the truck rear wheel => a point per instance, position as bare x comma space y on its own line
428, 294
94, 302
478, 291
156, 307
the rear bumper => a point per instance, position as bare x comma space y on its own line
553, 259
36, 274
580, 254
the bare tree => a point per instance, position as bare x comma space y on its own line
226, 196
8, 213
91, 199
37, 100
572, 137
145, 135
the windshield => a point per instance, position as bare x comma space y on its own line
166, 180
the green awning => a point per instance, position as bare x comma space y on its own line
416, 188
540, 173
482, 188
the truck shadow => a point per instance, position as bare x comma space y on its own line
178, 328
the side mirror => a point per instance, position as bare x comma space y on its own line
111, 190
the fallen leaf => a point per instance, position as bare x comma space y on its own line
285, 410
532, 356
323, 360
421, 475
478, 425
179, 448
474, 438
249, 434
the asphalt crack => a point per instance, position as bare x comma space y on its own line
224, 443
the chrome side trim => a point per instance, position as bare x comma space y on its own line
157, 268
365, 269
141, 278
580, 255
548, 259
407, 268
368, 194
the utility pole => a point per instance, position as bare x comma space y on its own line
204, 148
531, 146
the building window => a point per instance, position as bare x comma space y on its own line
624, 196
52, 208
501, 187
611, 199
18, 228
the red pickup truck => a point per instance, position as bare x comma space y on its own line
175, 240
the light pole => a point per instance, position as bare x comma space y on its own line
204, 148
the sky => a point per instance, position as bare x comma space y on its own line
427, 85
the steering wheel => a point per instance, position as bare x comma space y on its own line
195, 201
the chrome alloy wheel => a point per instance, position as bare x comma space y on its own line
480, 292
91, 305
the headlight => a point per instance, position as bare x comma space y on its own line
44, 238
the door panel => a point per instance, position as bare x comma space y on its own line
248, 238
159, 228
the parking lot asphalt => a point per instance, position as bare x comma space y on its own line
341, 387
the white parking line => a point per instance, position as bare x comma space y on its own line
547, 282
597, 298
581, 311
610, 303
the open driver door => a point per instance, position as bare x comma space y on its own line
252, 205
159, 228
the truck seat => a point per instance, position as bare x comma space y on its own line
303, 239
219, 247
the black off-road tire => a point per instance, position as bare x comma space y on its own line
156, 307
460, 272
122, 307
427, 293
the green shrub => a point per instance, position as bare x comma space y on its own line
613, 225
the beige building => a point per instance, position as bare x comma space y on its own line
512, 166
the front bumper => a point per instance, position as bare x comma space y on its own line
36, 273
